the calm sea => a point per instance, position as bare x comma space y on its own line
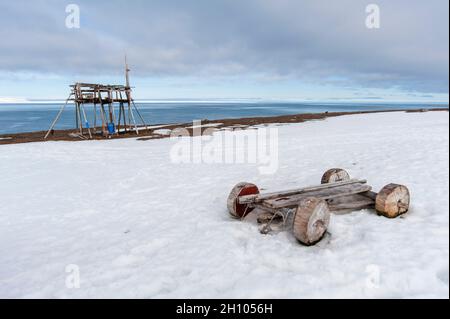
16, 118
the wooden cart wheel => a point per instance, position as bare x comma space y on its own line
335, 175
234, 208
311, 220
392, 200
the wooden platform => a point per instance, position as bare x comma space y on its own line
346, 195
326, 194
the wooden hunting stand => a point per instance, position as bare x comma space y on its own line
105, 97
308, 209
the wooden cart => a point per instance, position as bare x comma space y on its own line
308, 209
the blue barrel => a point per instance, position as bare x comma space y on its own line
111, 128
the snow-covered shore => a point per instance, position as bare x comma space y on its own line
138, 225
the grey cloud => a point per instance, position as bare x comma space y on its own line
316, 41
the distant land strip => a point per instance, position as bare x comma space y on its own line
152, 132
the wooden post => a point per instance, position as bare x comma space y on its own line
127, 73
123, 112
111, 119
134, 122
124, 118
95, 110
130, 111
129, 114
85, 119
57, 117
102, 113
104, 120
139, 114
120, 116
95, 116
78, 118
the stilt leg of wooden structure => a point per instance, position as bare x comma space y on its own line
139, 114
77, 124
80, 121
132, 117
129, 115
95, 117
57, 117
103, 113
85, 120
122, 111
120, 117
114, 117
124, 118
110, 113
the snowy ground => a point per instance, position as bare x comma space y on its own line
138, 225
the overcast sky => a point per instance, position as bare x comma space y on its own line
270, 49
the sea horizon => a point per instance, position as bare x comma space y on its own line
240, 100
37, 116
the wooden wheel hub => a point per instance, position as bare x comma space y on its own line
236, 209
335, 175
392, 200
311, 220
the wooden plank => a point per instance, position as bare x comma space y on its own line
293, 200
261, 197
371, 195
350, 203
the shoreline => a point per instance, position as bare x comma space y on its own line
152, 133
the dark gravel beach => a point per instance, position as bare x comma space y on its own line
67, 135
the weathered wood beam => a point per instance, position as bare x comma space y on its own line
260, 197
326, 194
